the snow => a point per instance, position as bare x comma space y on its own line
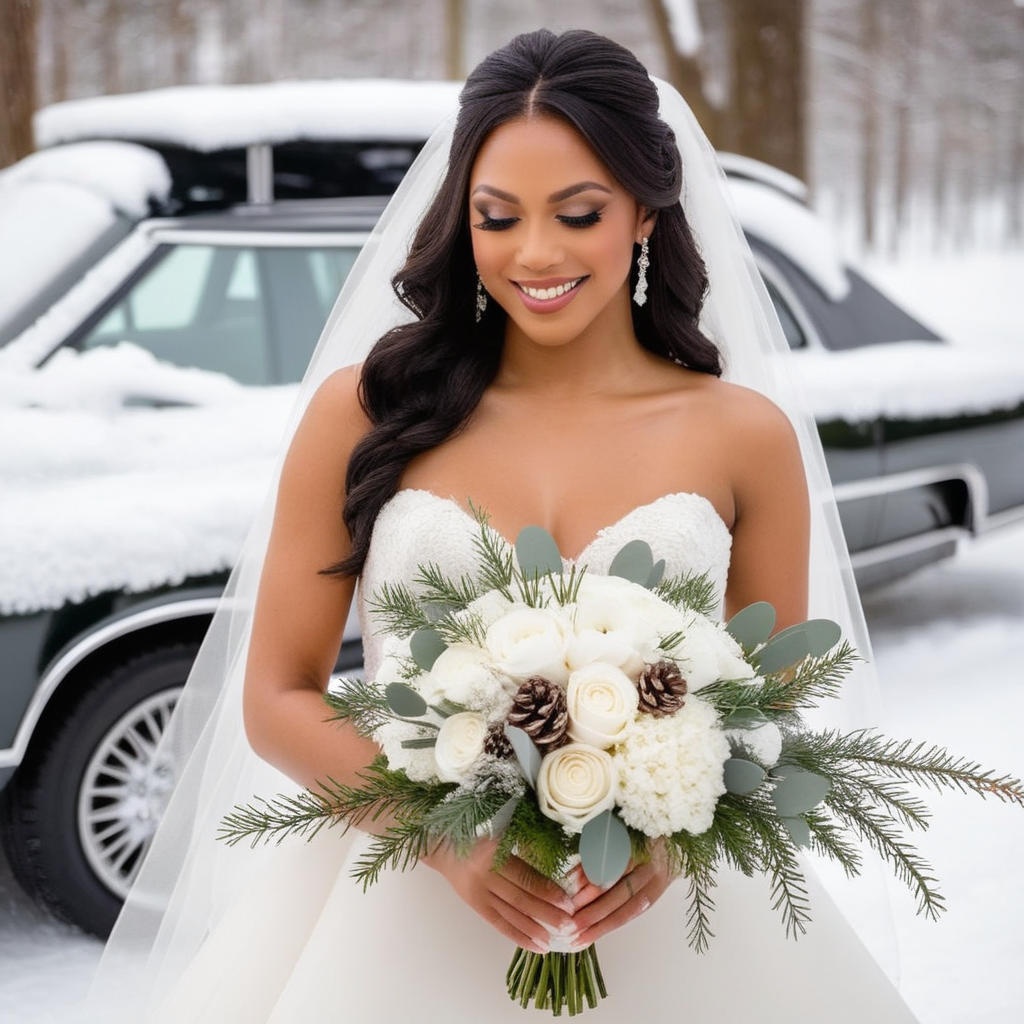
794, 230
127, 176
910, 380
57, 203
684, 24
220, 117
185, 481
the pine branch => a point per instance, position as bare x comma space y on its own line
360, 702
884, 838
694, 592
466, 628
931, 766
535, 839
496, 566
304, 814
813, 680
737, 841
402, 613
439, 589
459, 819
399, 847
695, 858
566, 586
829, 839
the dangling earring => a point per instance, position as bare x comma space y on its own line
642, 263
481, 298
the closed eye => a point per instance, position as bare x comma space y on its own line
496, 223
586, 221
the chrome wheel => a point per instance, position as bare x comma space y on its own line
124, 790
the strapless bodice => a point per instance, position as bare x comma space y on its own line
417, 526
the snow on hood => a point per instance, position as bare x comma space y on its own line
57, 203
795, 231
909, 380
99, 498
127, 176
224, 116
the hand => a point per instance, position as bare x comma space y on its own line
523, 905
599, 911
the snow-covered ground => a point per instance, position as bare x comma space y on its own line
947, 646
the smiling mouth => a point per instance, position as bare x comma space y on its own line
546, 294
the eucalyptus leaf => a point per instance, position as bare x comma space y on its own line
425, 646
797, 790
751, 626
605, 849
503, 816
814, 637
420, 743
799, 831
742, 777
745, 718
526, 753
634, 562
657, 574
404, 700
537, 552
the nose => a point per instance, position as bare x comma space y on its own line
539, 247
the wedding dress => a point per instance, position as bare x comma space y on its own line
305, 944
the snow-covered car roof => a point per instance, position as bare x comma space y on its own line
208, 118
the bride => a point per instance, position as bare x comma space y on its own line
573, 291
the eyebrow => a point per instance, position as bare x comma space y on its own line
555, 197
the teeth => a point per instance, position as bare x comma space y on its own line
550, 293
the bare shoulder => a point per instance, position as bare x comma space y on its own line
334, 420
746, 419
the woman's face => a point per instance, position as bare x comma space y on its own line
553, 231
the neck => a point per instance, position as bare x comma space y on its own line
602, 359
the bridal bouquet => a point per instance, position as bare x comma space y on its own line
585, 717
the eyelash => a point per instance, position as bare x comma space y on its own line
503, 223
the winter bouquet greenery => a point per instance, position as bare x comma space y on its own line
582, 716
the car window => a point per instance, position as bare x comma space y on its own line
790, 327
253, 313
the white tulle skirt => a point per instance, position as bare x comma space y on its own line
306, 945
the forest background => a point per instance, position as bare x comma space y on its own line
905, 117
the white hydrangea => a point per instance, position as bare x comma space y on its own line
671, 770
418, 762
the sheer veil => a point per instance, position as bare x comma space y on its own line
188, 879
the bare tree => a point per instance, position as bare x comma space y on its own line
17, 79
455, 26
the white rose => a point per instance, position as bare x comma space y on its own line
590, 645
576, 783
465, 675
703, 653
530, 642
459, 745
602, 700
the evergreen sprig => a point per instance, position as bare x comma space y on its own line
535, 839
401, 612
360, 702
697, 592
810, 682
496, 570
695, 858
439, 589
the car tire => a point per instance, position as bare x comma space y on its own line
83, 805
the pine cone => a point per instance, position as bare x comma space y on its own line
497, 744
662, 689
539, 709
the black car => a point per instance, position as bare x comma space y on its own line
242, 290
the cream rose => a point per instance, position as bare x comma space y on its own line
530, 642
459, 745
465, 675
576, 783
602, 700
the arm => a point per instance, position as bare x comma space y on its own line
297, 629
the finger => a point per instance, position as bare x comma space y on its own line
520, 874
520, 927
628, 909
533, 906
610, 901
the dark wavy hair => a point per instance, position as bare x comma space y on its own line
422, 381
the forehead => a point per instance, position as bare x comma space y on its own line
541, 150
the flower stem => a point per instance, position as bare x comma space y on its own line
556, 981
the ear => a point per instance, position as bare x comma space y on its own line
644, 223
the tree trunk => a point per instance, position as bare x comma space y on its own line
686, 73
454, 50
910, 40
17, 79
767, 94
871, 38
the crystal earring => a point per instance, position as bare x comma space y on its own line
642, 263
481, 298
